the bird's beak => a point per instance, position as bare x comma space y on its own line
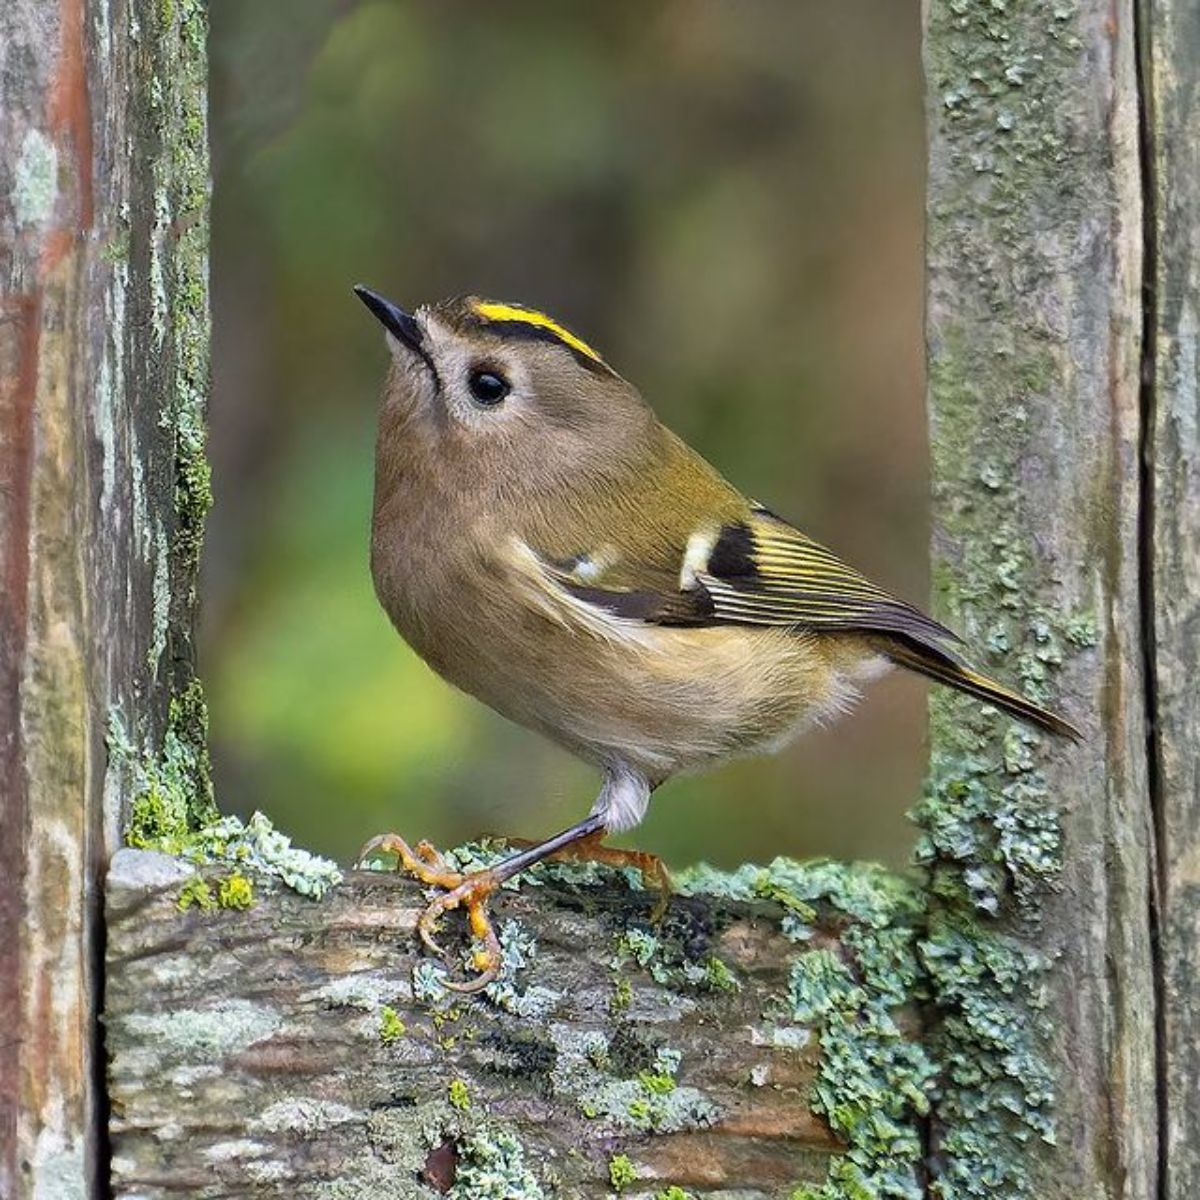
395, 320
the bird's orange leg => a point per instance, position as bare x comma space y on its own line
471, 890
654, 873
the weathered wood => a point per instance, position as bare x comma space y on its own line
103, 343
1170, 59
250, 1051
1034, 325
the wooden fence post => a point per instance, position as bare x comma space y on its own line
1169, 48
1062, 224
103, 490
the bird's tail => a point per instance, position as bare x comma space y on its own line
941, 666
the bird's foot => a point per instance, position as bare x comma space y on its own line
424, 863
654, 873
472, 890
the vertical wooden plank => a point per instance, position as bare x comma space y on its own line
46, 215
1041, 853
103, 343
1170, 57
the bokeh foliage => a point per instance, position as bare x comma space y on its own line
725, 198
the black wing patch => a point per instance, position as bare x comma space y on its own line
762, 571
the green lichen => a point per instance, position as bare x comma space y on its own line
718, 977
236, 891
158, 317
637, 945
1080, 630
391, 1027
429, 985
998, 1090
674, 1192
1009, 149
625, 1083
116, 251
459, 1095
990, 835
170, 794
820, 981
258, 846
656, 1083
865, 892
622, 996
172, 811
874, 1084
196, 893
991, 843
621, 1172
519, 950
180, 258
668, 963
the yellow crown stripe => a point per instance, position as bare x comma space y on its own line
529, 316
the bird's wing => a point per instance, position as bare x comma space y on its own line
755, 571
765, 572
759, 571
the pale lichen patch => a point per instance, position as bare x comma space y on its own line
213, 1033
492, 1166
651, 1101
302, 1114
235, 1148
365, 990
58, 1167
35, 180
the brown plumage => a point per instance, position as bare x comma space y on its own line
546, 545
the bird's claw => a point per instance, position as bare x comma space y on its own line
473, 892
427, 864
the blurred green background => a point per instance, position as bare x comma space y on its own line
724, 197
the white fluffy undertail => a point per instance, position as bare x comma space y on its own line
623, 799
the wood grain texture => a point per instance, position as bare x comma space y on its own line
1170, 47
102, 307
1034, 331
248, 1056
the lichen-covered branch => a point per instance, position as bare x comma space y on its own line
758, 1043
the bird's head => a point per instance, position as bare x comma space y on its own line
500, 391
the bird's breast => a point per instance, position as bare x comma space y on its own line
662, 698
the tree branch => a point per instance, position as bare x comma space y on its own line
305, 1047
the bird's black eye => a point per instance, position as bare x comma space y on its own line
488, 388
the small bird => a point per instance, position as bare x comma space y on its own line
545, 544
